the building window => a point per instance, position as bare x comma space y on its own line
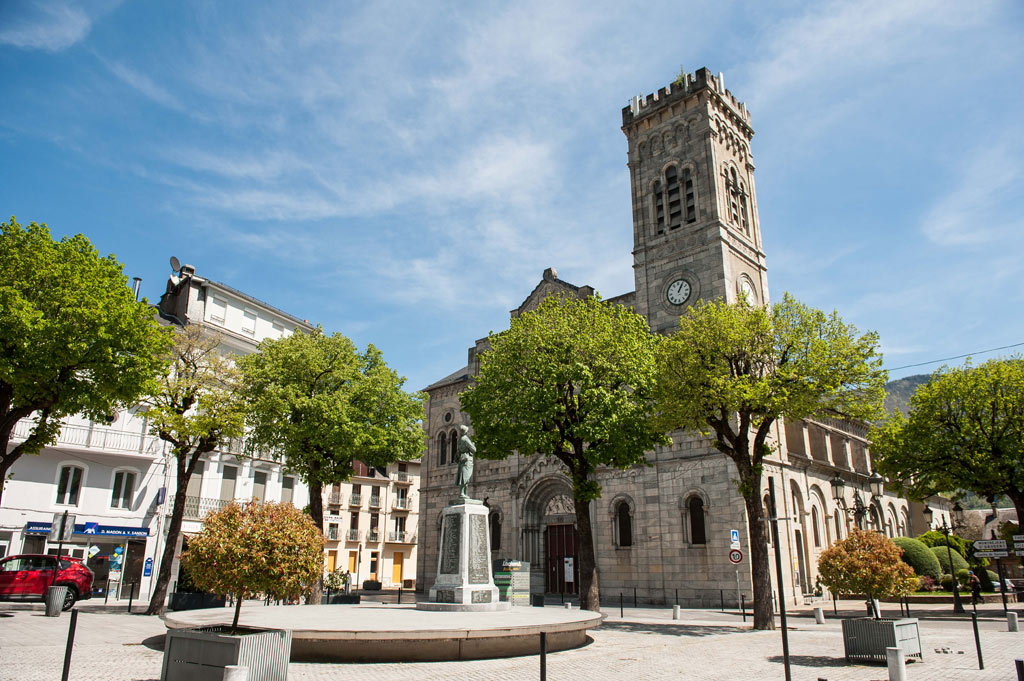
698, 533
69, 485
249, 322
124, 487
227, 483
659, 207
218, 309
259, 486
453, 447
744, 220
495, 531
332, 531
287, 490
690, 207
442, 450
624, 524
816, 526
675, 210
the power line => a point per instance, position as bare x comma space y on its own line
969, 354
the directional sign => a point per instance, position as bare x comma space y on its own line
991, 554
990, 544
1018, 537
735, 556
734, 539
1018, 544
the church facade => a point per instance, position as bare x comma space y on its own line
667, 528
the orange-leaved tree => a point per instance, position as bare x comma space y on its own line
866, 563
272, 549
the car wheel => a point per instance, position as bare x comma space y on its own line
70, 598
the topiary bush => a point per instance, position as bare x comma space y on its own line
963, 577
935, 538
943, 555
993, 579
866, 563
919, 557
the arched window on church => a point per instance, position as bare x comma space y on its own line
698, 532
495, 520
453, 445
816, 526
624, 524
744, 220
689, 197
659, 208
442, 450
732, 185
675, 208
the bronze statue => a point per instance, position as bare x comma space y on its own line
466, 452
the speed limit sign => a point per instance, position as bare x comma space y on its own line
735, 556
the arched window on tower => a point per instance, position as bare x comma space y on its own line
732, 185
698, 532
453, 447
659, 208
690, 207
744, 220
816, 526
675, 208
624, 524
442, 450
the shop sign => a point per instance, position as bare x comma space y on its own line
91, 529
148, 569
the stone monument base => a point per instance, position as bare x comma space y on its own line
464, 607
464, 579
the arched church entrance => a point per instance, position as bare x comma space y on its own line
550, 538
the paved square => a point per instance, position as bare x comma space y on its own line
704, 646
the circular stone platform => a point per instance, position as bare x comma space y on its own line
375, 632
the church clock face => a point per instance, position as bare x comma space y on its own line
678, 292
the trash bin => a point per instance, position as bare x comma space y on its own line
55, 596
537, 600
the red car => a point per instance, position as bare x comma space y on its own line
26, 578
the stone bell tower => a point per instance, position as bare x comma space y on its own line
695, 227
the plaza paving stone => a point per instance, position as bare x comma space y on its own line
644, 644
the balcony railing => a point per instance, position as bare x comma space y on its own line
375, 501
401, 537
401, 504
97, 437
373, 536
332, 533
353, 535
402, 476
334, 499
356, 500
197, 507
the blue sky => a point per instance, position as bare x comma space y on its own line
402, 172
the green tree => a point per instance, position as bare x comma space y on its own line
323, 405
965, 430
73, 339
196, 409
731, 370
573, 380
255, 549
866, 563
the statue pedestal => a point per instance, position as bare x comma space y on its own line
464, 580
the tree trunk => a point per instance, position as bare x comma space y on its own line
316, 512
760, 563
238, 610
5, 465
1017, 497
157, 604
589, 595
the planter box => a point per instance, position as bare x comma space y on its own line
341, 599
202, 654
189, 600
865, 638
371, 585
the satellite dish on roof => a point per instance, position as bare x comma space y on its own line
175, 264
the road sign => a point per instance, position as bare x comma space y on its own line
734, 539
990, 544
735, 556
148, 569
1018, 537
991, 554
1018, 544
69, 527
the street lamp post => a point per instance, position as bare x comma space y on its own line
876, 484
956, 521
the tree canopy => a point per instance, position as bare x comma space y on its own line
964, 430
195, 407
732, 370
258, 548
866, 563
73, 339
572, 379
322, 405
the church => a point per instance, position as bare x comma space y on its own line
669, 529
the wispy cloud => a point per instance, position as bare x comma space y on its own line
985, 203
42, 25
144, 85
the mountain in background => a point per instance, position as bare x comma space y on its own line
898, 392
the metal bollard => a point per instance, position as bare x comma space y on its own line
567, 606
897, 661
907, 599
1011, 621
70, 645
234, 672
819, 616
621, 615
131, 596
977, 639
543, 656
743, 606
721, 597
675, 612
634, 596
1019, 664
399, 595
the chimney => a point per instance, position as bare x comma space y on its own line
136, 286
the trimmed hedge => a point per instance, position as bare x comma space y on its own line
919, 557
958, 561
